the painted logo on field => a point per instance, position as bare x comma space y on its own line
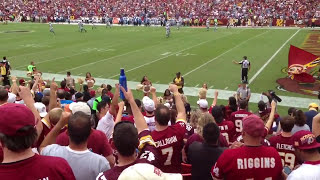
303, 71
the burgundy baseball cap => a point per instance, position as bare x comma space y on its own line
14, 117
253, 126
305, 140
21, 81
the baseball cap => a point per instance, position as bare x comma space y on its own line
21, 81
253, 126
148, 104
202, 103
11, 98
313, 106
80, 106
41, 108
142, 171
14, 117
305, 140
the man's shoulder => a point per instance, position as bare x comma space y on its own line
53, 150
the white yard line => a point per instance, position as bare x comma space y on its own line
170, 54
287, 101
186, 74
272, 57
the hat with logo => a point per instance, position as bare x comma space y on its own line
253, 126
305, 140
202, 103
142, 171
14, 117
148, 104
41, 108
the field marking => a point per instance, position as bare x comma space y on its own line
287, 101
186, 74
226, 88
272, 57
174, 53
196, 85
210, 87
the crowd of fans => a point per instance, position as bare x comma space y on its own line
51, 131
154, 10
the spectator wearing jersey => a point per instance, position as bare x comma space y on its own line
127, 139
299, 122
313, 111
245, 68
99, 99
283, 142
17, 137
252, 160
227, 128
236, 117
169, 139
61, 94
202, 156
243, 92
307, 150
5, 70
63, 86
231, 107
84, 163
179, 81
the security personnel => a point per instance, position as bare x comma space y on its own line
245, 68
179, 81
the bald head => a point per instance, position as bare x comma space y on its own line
79, 127
61, 94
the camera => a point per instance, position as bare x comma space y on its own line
274, 96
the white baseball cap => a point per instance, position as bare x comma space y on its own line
11, 98
202, 103
148, 104
80, 106
142, 171
41, 108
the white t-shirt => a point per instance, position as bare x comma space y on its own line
106, 125
151, 122
307, 171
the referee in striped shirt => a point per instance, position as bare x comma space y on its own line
245, 68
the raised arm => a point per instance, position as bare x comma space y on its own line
316, 125
119, 114
53, 95
138, 117
271, 116
114, 103
14, 87
52, 136
154, 96
179, 104
214, 102
235, 62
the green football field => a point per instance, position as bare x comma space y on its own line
201, 56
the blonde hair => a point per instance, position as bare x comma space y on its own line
204, 119
55, 115
202, 93
194, 117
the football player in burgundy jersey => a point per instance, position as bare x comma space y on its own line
127, 139
169, 139
236, 117
227, 128
252, 160
284, 144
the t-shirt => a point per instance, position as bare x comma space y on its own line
151, 122
236, 118
202, 157
37, 167
85, 164
97, 142
65, 102
309, 170
310, 115
299, 128
244, 63
170, 143
106, 124
129, 118
96, 102
243, 93
247, 162
284, 145
228, 130
148, 154
30, 68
